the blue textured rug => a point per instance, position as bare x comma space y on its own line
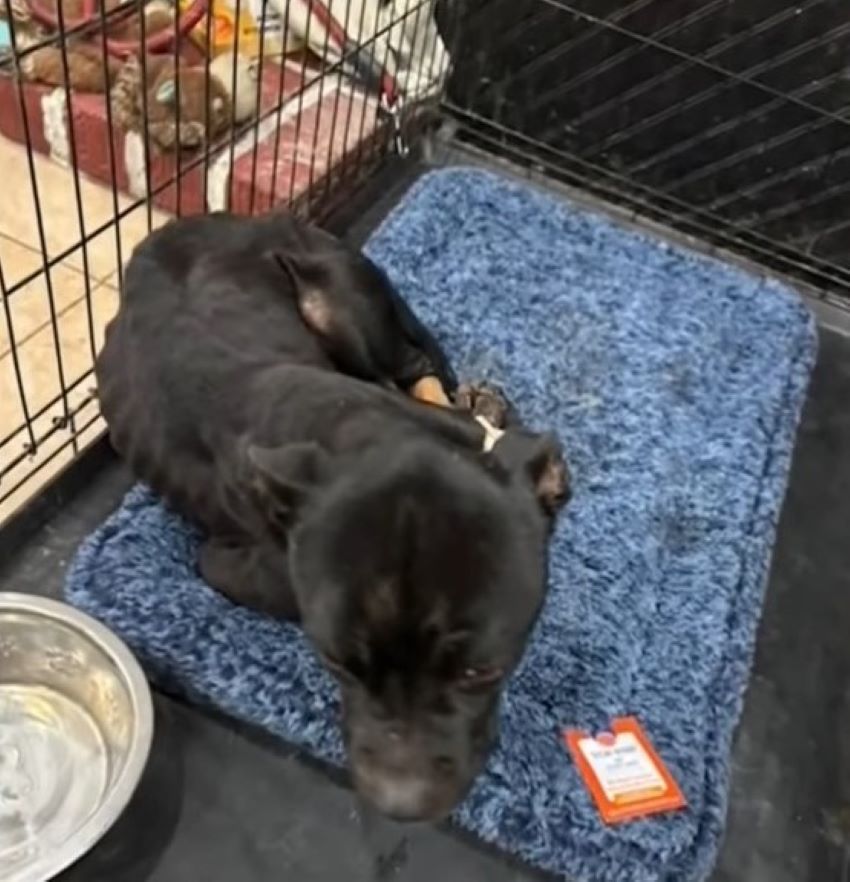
675, 382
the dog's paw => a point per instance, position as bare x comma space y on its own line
554, 483
484, 400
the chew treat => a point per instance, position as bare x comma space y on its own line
430, 390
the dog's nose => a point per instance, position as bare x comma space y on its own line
403, 798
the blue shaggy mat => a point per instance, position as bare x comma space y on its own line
675, 382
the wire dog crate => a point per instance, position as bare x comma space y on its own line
723, 119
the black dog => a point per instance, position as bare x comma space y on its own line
255, 377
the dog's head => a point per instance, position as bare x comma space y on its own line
419, 575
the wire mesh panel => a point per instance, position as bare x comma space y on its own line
117, 115
725, 118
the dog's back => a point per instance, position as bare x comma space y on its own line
206, 310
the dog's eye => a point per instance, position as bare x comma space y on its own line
338, 669
479, 678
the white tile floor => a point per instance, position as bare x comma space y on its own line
82, 311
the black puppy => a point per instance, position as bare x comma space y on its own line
255, 377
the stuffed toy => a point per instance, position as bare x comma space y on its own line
86, 70
244, 97
158, 93
85, 57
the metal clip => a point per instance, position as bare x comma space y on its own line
394, 112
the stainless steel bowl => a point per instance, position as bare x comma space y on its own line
76, 723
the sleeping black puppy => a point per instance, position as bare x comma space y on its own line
275, 389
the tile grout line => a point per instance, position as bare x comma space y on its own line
97, 286
65, 264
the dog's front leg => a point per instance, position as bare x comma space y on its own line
250, 574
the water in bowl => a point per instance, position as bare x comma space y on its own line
53, 771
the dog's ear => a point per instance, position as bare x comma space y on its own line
331, 306
538, 459
312, 283
304, 269
282, 478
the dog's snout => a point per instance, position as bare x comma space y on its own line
401, 797
391, 750
395, 733
402, 780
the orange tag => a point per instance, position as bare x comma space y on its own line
623, 773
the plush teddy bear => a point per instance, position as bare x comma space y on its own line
226, 106
86, 71
131, 98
